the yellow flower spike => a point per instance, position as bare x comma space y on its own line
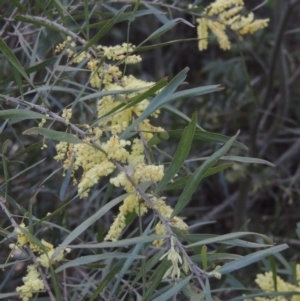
202, 30
223, 14
218, 30
229, 14
266, 283
32, 283
220, 6
254, 26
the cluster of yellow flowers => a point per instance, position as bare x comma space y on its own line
120, 53
95, 164
223, 14
32, 281
266, 283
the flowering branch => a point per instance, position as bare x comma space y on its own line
199, 273
31, 272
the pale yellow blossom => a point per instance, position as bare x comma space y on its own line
225, 14
218, 30
32, 283
160, 229
202, 31
266, 283
67, 114
92, 176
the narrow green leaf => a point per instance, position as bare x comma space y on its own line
61, 10
226, 237
155, 46
136, 6
165, 28
21, 114
247, 160
41, 66
156, 279
104, 29
197, 238
195, 92
87, 18
6, 265
204, 257
120, 243
198, 175
83, 260
66, 181
104, 282
212, 257
208, 137
181, 154
8, 295
182, 182
55, 283
162, 18
123, 17
298, 230
4, 163
176, 288
274, 270
266, 296
12, 59
149, 265
129, 261
54, 135
101, 94
238, 159
180, 114
17, 77
249, 259
13, 203
207, 290
158, 100
16, 3
87, 223
34, 146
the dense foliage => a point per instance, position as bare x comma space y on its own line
149, 150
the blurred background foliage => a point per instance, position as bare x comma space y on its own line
260, 77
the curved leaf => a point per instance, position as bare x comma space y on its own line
198, 175
54, 135
181, 154
176, 288
208, 137
249, 259
22, 114
87, 223
83, 260
182, 182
